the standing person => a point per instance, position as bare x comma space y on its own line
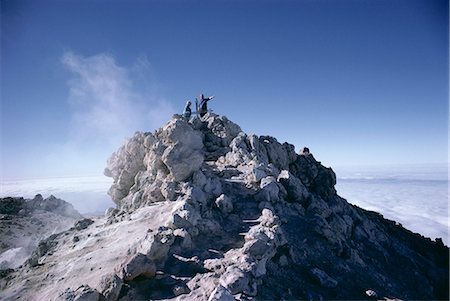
204, 104
187, 110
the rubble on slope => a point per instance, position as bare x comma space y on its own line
208, 212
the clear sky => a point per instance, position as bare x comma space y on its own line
357, 81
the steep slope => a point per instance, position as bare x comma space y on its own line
207, 212
23, 223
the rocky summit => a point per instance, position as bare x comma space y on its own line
208, 212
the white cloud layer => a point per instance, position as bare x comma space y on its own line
414, 195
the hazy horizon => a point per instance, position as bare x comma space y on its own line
414, 195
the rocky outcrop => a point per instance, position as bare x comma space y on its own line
208, 212
23, 207
24, 222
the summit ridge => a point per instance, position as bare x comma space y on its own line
205, 211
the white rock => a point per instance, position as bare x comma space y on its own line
235, 280
220, 293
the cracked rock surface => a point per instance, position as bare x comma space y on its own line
208, 212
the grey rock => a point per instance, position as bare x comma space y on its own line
323, 278
43, 248
314, 176
269, 185
53, 204
11, 205
297, 192
222, 128
110, 286
137, 265
276, 153
235, 280
160, 244
182, 161
180, 289
82, 293
257, 248
224, 203
111, 212
278, 227
83, 224
283, 261
169, 190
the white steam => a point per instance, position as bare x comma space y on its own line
108, 102
107, 105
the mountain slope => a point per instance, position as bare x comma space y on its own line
23, 223
207, 212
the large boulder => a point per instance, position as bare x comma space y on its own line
316, 177
124, 164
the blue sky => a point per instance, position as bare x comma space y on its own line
358, 82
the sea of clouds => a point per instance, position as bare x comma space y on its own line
415, 195
87, 194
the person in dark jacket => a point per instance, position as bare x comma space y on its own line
204, 104
187, 110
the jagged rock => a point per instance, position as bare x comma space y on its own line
25, 222
10, 205
323, 278
256, 174
82, 293
110, 286
184, 154
186, 243
160, 245
276, 152
220, 293
111, 212
224, 203
234, 280
270, 188
314, 176
124, 165
297, 192
54, 205
222, 128
137, 265
83, 224
180, 289
42, 249
169, 190
211, 213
